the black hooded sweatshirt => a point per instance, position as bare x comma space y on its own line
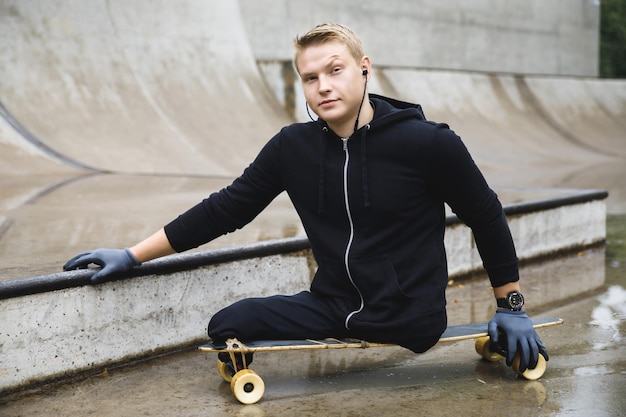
372, 206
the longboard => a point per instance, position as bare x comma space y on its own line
248, 387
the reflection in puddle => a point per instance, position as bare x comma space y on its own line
592, 370
536, 390
250, 411
610, 314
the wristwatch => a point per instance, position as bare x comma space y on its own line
513, 301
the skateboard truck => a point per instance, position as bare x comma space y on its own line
501, 347
246, 385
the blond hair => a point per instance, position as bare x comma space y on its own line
329, 32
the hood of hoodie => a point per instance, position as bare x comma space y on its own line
385, 107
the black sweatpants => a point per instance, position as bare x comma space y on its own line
308, 316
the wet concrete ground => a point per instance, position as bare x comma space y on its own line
586, 375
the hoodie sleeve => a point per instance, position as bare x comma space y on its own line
232, 207
462, 186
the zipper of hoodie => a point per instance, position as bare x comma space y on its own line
349, 245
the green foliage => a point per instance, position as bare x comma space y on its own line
613, 39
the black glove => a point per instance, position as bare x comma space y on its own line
520, 337
112, 261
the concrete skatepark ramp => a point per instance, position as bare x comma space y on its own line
142, 88
176, 92
135, 88
526, 130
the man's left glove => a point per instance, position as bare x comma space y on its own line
112, 261
520, 337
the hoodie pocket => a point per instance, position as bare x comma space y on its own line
378, 283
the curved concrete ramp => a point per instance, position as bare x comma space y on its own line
139, 87
590, 112
523, 130
135, 87
19, 157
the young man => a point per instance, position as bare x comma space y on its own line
369, 180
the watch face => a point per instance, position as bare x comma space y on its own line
515, 300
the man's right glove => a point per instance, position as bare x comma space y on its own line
112, 261
520, 337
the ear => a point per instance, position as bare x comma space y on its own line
366, 66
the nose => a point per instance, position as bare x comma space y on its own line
323, 84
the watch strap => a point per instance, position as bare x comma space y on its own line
502, 303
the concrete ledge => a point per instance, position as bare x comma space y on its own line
540, 228
57, 325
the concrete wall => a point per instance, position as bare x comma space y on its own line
57, 325
557, 37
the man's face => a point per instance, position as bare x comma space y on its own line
333, 83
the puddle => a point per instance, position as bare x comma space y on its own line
592, 370
610, 315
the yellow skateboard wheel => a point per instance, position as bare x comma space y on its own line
482, 348
224, 371
530, 374
247, 386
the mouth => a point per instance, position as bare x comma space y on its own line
326, 103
